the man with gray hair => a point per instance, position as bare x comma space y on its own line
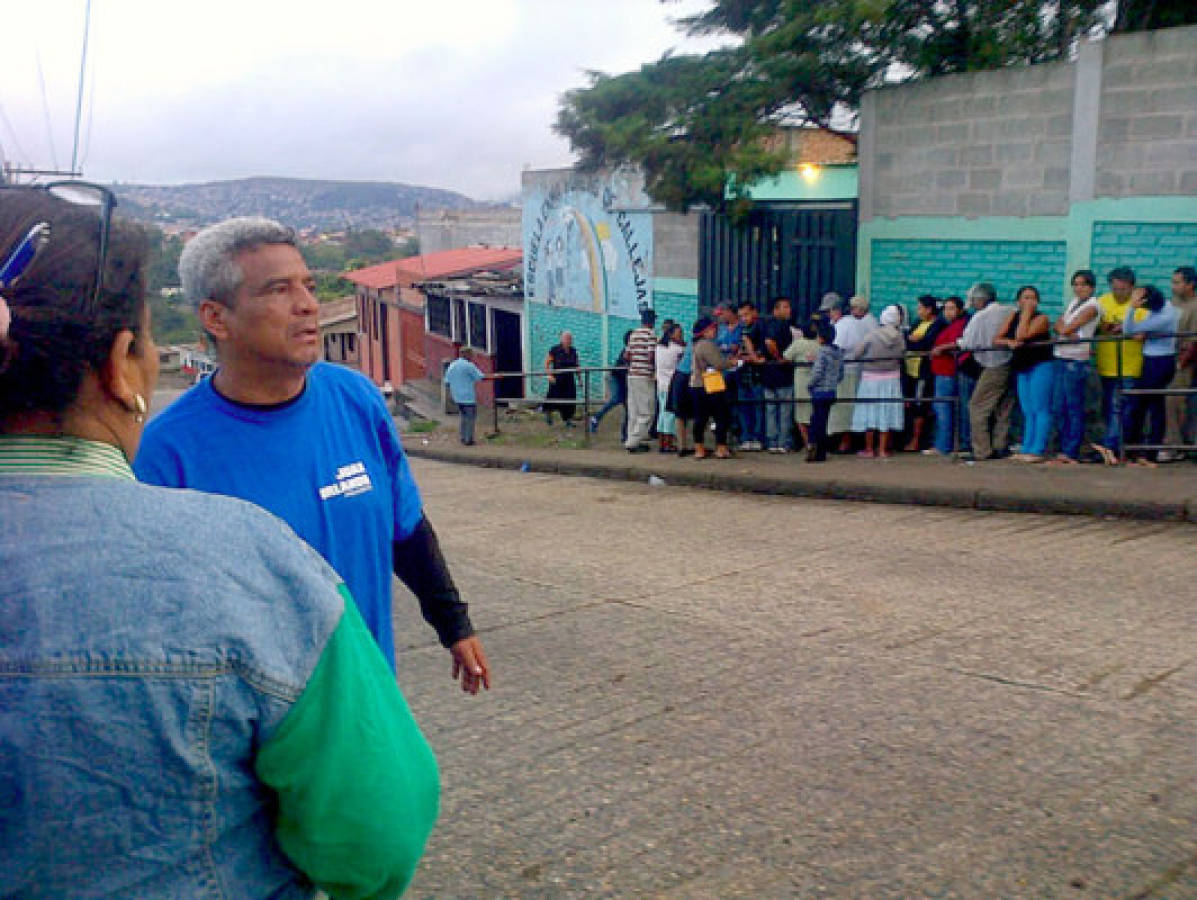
309, 441
992, 401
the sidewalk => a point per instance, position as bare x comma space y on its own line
1168, 493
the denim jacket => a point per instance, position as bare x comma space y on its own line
152, 641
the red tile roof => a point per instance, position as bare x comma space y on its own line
437, 265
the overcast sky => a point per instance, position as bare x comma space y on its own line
459, 94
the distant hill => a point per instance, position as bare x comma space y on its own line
301, 203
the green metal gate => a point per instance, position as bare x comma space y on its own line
798, 250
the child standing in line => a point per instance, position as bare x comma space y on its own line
825, 375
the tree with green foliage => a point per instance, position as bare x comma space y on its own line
695, 124
173, 321
369, 243
332, 287
162, 270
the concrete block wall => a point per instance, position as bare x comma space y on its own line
448, 229
1098, 155
981, 144
1147, 136
1153, 249
675, 245
904, 269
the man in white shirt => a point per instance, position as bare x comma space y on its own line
992, 400
850, 331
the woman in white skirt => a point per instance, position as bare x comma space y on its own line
880, 354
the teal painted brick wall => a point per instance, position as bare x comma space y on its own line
617, 327
545, 324
902, 270
1154, 250
679, 307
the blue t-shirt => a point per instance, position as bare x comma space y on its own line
461, 377
329, 464
687, 360
728, 339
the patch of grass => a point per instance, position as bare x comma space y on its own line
423, 426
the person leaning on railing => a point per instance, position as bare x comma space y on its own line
1027, 333
1159, 365
190, 698
993, 400
1119, 362
917, 381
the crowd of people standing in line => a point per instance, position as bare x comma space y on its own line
944, 382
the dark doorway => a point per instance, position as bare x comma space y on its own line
508, 355
799, 250
385, 338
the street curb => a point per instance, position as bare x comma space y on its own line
715, 478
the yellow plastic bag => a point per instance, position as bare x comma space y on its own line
713, 381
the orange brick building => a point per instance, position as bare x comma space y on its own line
392, 307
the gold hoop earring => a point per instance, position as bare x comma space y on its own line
139, 405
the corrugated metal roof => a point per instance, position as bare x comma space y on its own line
333, 311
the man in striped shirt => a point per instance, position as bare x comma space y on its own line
642, 392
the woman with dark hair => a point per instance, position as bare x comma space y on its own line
680, 401
669, 352
1159, 365
947, 378
176, 715
918, 382
710, 389
1074, 329
1027, 333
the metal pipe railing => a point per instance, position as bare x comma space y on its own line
957, 398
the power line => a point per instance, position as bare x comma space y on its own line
79, 95
91, 115
46, 108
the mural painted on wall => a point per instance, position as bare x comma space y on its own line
587, 242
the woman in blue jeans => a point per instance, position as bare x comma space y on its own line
1159, 365
1074, 330
949, 380
1027, 333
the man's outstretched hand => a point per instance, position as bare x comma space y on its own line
469, 661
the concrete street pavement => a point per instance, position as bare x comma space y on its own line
705, 694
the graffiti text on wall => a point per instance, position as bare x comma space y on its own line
583, 248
